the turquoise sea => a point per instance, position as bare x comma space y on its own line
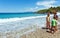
18, 15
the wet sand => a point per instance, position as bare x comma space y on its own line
38, 33
41, 33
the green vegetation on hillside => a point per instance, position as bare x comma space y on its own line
51, 9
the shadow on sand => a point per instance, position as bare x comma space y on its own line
44, 28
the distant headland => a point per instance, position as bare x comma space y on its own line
51, 10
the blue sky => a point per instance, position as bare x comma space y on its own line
26, 5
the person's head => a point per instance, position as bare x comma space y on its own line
54, 17
48, 14
55, 13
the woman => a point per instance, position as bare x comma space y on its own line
55, 15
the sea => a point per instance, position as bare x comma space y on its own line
15, 21
22, 22
18, 15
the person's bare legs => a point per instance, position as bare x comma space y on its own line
52, 30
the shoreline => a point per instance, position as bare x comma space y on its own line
37, 33
26, 33
41, 33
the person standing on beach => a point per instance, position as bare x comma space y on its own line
53, 25
55, 15
48, 21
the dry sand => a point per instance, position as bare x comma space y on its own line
41, 33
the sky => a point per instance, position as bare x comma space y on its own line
26, 5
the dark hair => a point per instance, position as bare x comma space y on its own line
54, 17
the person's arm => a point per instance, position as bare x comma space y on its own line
46, 19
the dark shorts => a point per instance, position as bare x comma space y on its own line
53, 28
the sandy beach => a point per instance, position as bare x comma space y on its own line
33, 32
38, 33
29, 18
41, 33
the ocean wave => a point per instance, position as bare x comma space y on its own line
17, 19
22, 18
17, 23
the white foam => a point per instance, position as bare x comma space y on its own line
17, 19
58, 13
23, 18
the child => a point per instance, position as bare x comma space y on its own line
48, 21
53, 25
